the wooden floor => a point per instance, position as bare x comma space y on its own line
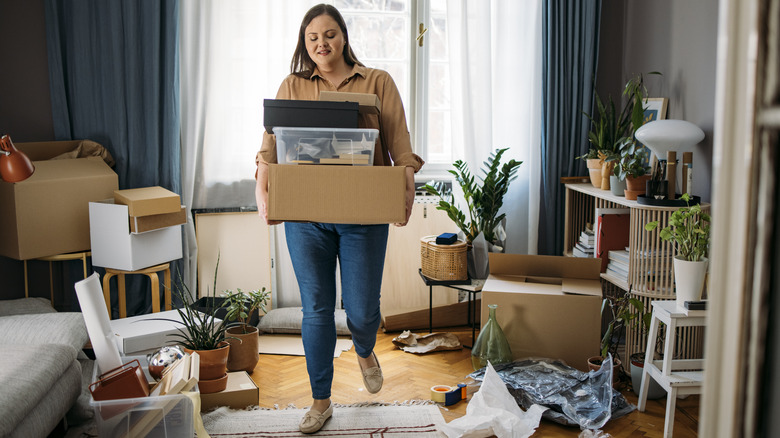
283, 381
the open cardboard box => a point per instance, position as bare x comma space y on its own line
241, 392
337, 194
548, 307
48, 213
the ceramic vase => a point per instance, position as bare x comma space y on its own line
243, 355
688, 279
594, 171
616, 185
491, 344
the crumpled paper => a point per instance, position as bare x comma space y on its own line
493, 411
413, 343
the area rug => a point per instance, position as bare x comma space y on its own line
351, 421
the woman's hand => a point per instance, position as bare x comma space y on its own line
261, 193
409, 195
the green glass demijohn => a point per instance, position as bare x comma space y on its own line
491, 344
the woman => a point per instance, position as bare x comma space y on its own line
324, 60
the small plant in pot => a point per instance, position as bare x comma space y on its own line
243, 337
483, 202
624, 311
689, 232
632, 169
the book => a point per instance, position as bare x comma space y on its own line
583, 248
619, 256
579, 253
612, 232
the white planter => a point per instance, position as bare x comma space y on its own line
689, 280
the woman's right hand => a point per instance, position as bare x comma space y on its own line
261, 193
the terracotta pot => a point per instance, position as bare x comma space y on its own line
594, 170
637, 183
244, 353
632, 194
594, 364
213, 366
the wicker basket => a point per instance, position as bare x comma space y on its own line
443, 262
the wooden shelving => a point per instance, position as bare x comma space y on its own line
650, 271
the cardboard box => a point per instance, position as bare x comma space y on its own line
548, 307
143, 333
337, 194
48, 213
114, 246
369, 103
309, 113
148, 201
240, 393
142, 224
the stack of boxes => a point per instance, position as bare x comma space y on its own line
136, 229
324, 170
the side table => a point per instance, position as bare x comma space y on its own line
473, 287
676, 376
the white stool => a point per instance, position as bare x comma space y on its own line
666, 372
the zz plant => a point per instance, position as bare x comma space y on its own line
483, 200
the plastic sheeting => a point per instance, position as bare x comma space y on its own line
574, 398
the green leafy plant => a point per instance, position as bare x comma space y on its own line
241, 305
625, 310
632, 161
688, 230
483, 201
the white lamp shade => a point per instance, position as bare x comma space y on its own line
662, 136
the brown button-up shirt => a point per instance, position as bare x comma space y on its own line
391, 121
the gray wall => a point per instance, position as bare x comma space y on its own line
679, 39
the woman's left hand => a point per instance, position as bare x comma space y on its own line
409, 195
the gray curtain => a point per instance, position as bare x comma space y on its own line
114, 77
570, 36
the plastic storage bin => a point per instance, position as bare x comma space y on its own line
325, 146
162, 416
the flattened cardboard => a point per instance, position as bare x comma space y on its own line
48, 213
147, 201
548, 307
114, 246
141, 224
241, 392
337, 194
368, 102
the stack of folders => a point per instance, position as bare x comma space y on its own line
618, 264
585, 246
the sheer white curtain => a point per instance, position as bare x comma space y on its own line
234, 54
495, 66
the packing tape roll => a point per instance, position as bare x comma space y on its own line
438, 391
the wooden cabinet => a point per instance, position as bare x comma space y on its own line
650, 271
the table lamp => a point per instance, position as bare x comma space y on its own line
14, 165
662, 136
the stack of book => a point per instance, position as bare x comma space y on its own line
585, 246
618, 264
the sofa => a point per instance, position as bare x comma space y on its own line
41, 377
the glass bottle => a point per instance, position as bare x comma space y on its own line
491, 344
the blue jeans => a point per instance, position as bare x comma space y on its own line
314, 249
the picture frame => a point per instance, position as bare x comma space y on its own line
655, 109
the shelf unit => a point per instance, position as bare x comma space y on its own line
650, 268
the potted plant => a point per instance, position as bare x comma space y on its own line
243, 337
483, 202
623, 311
631, 168
689, 231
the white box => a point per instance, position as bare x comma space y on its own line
142, 333
114, 246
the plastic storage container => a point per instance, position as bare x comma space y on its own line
161, 416
353, 147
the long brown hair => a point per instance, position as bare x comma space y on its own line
302, 64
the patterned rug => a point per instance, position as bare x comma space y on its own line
351, 421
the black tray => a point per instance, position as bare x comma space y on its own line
677, 202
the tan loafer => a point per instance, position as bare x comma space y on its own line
313, 420
372, 377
